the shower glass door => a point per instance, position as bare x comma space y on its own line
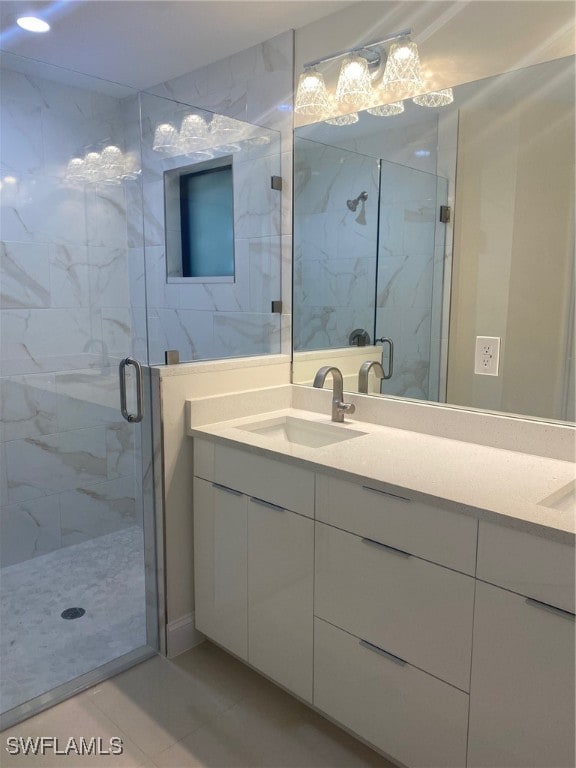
410, 281
78, 575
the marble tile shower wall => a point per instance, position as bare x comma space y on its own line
67, 457
334, 247
210, 320
410, 265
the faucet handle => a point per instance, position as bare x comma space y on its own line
347, 407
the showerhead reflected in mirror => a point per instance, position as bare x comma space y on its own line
501, 158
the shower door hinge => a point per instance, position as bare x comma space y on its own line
276, 182
445, 214
276, 307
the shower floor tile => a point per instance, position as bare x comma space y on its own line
39, 650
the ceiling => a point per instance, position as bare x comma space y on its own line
140, 43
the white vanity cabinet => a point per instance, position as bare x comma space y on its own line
442, 640
254, 561
522, 708
393, 624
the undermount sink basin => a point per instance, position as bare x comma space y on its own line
292, 430
563, 499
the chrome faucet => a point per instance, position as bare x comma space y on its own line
365, 369
339, 407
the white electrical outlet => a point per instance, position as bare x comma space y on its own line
487, 356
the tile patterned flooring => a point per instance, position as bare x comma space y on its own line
38, 649
203, 708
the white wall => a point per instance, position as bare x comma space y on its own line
513, 255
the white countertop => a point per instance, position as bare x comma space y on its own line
490, 483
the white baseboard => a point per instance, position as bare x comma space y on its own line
181, 635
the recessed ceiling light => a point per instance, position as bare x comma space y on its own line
33, 24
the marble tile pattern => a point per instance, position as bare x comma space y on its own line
216, 320
70, 290
334, 247
38, 649
410, 265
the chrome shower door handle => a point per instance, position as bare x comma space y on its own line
385, 340
133, 418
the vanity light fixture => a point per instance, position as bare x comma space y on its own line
357, 85
435, 98
110, 167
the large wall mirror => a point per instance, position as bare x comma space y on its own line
440, 242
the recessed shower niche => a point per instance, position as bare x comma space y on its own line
199, 216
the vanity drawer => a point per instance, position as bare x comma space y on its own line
415, 609
527, 564
267, 479
424, 530
411, 716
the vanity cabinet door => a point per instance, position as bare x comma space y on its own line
280, 595
220, 558
522, 689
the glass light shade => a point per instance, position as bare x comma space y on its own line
131, 169
112, 164
92, 166
258, 141
387, 110
200, 155
75, 170
193, 133
402, 72
165, 138
354, 85
311, 96
343, 119
435, 98
225, 129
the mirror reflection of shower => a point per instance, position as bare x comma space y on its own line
353, 204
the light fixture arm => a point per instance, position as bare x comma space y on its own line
381, 41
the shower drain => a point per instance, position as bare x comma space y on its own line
72, 613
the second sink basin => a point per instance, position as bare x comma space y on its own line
292, 430
563, 499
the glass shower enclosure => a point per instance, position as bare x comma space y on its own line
78, 575
369, 257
